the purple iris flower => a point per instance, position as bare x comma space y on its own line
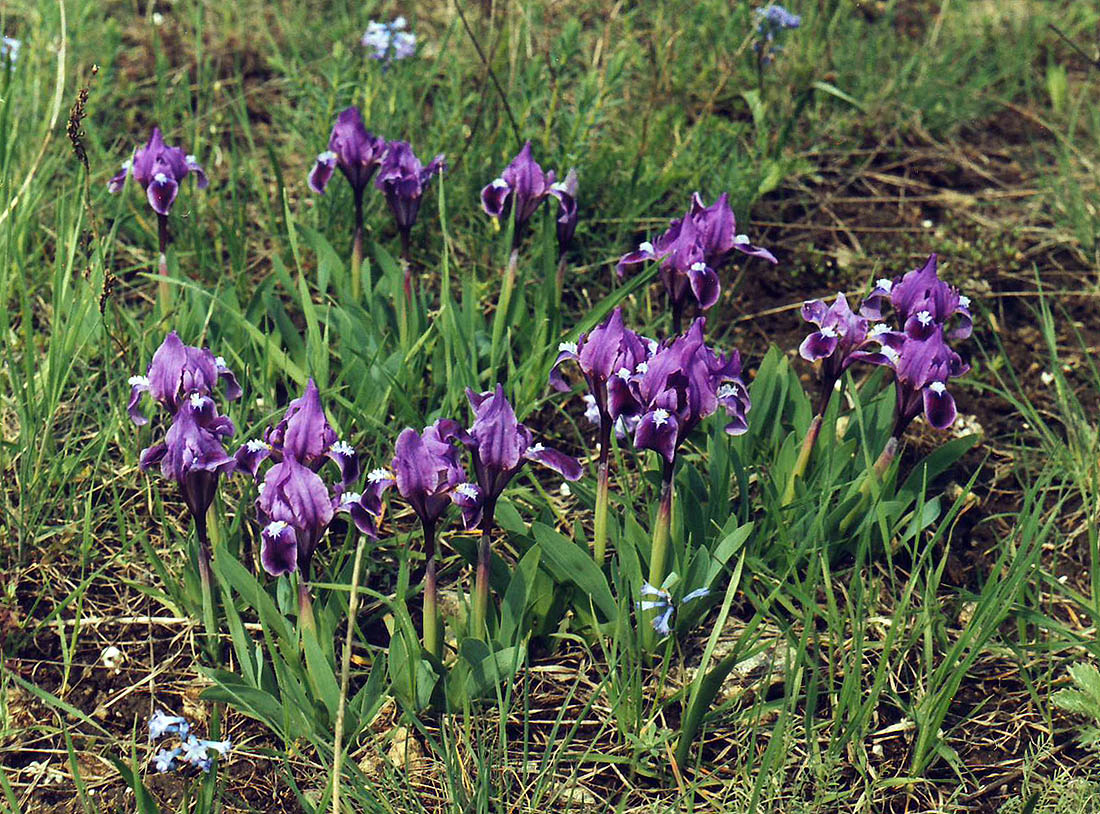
567, 209
403, 180
353, 149
176, 372
500, 446
681, 384
159, 169
295, 505
192, 453
522, 188
303, 433
923, 363
428, 468
921, 295
842, 338
295, 508
692, 250
601, 354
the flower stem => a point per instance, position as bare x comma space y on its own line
164, 293
357, 249
305, 605
599, 534
206, 581
803, 459
480, 613
345, 668
882, 463
559, 282
501, 315
432, 622
659, 551
677, 316
603, 476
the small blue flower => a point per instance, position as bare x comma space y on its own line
162, 724
663, 603
166, 760
9, 49
774, 20
389, 41
191, 750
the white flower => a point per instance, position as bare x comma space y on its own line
112, 657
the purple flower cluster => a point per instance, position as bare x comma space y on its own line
159, 169
661, 390
691, 251
359, 154
927, 312
191, 750
523, 187
296, 505
181, 378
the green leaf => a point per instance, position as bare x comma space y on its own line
320, 673
569, 563
256, 703
517, 597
